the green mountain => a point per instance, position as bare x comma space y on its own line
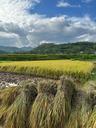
51, 48
2, 52
69, 48
4, 49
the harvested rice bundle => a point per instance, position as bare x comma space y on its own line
19, 111
38, 116
73, 120
84, 101
76, 119
81, 108
91, 123
3, 114
7, 97
62, 104
91, 92
49, 87
27, 82
88, 102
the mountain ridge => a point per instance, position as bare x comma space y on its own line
69, 48
6, 49
51, 48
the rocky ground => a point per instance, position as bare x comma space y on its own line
11, 79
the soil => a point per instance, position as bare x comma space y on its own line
12, 79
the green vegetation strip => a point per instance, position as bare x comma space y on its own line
29, 57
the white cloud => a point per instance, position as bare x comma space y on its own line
86, 37
62, 29
65, 4
14, 18
19, 28
15, 10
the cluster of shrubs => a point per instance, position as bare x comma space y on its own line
48, 105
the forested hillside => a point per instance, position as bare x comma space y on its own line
79, 47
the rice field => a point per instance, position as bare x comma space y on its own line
50, 68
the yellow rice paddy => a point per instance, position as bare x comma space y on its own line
50, 68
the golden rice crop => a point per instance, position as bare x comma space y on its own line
50, 68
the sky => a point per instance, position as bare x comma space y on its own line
25, 23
